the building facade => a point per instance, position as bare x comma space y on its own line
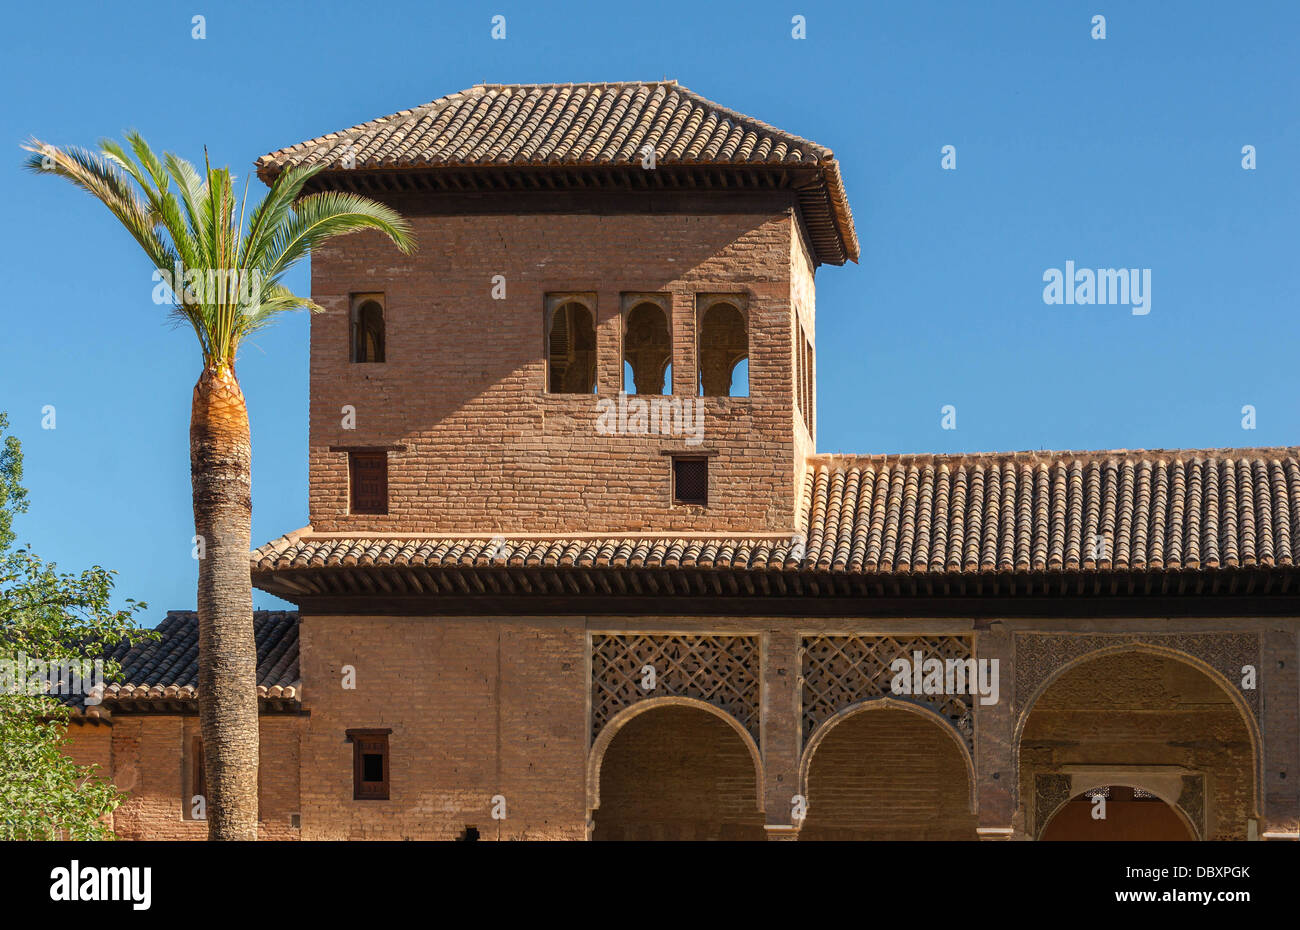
575, 568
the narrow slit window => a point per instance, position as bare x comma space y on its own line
804, 388
798, 371
571, 349
724, 348
368, 475
369, 764
803, 376
368, 328
691, 481
647, 349
198, 785
810, 390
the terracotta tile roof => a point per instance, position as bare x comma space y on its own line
962, 516
1041, 511
573, 125
168, 669
312, 551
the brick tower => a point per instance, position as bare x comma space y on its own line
602, 269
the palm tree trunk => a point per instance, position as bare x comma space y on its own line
221, 472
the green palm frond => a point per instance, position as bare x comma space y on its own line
226, 279
274, 299
100, 177
148, 174
276, 207
318, 217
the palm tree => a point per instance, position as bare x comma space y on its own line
223, 278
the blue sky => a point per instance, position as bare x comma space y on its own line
1124, 152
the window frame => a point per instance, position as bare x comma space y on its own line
704, 302
357, 301
692, 459
554, 301
364, 741
629, 301
353, 477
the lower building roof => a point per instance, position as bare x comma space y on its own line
164, 672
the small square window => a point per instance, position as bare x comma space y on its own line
369, 764
691, 481
368, 475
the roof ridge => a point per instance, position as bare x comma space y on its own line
578, 84
483, 88
257, 612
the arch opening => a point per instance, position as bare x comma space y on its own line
723, 352
647, 350
675, 771
571, 346
368, 331
1114, 813
887, 771
1143, 718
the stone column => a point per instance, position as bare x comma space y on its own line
609, 344
780, 732
681, 325
716, 374
1279, 677
995, 771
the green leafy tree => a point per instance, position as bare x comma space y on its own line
55, 618
226, 282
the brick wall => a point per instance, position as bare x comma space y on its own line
91, 744
149, 758
463, 386
888, 775
278, 778
478, 708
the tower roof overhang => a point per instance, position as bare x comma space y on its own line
591, 137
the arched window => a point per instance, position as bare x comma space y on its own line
368, 329
647, 349
724, 346
571, 349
